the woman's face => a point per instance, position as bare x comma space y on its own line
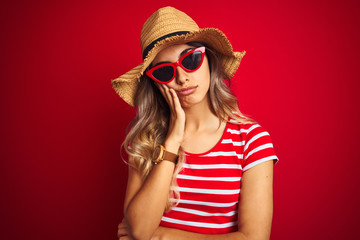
191, 87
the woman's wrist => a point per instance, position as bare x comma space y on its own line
172, 147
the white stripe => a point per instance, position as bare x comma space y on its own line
222, 179
259, 161
234, 131
199, 224
212, 166
232, 142
253, 127
209, 191
268, 145
201, 213
201, 203
233, 121
257, 136
226, 154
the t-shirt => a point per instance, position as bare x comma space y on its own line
210, 183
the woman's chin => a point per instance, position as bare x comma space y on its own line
189, 102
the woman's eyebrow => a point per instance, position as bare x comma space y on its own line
159, 63
181, 54
185, 51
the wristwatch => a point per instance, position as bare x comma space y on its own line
161, 154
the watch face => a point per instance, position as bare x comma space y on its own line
156, 154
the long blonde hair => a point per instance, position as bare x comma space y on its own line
149, 127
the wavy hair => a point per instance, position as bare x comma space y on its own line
149, 127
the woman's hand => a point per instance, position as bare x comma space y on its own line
175, 135
123, 231
160, 234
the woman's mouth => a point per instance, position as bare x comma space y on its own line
187, 91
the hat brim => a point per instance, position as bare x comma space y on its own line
126, 84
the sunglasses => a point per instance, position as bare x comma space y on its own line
190, 62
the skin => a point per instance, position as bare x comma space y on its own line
196, 129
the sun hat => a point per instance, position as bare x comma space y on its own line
166, 27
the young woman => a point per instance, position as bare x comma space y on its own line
198, 168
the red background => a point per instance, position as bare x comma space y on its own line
61, 176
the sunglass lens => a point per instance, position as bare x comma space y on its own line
192, 61
164, 74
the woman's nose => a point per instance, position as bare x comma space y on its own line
181, 76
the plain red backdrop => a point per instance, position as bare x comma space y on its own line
61, 125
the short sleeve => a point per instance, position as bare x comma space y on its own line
258, 147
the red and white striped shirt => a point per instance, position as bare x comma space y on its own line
210, 182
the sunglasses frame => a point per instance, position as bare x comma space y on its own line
174, 65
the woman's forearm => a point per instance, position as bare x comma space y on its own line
176, 234
145, 210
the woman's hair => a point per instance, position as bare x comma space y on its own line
149, 127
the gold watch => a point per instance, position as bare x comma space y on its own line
161, 154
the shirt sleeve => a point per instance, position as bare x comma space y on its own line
258, 148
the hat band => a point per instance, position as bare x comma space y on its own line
151, 45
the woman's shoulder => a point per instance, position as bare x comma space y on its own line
243, 123
256, 142
245, 128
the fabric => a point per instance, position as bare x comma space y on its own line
210, 183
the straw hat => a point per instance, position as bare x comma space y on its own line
166, 27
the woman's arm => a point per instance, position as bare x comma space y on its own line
145, 201
255, 209
256, 201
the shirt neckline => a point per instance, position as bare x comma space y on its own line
210, 150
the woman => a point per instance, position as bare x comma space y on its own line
190, 149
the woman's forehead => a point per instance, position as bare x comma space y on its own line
172, 53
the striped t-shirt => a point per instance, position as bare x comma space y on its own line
209, 183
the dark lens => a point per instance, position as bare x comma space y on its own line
164, 74
192, 61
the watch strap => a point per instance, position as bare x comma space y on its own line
161, 154
172, 157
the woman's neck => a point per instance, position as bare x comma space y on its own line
200, 117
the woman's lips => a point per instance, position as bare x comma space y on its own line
187, 91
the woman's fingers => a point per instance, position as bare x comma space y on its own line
176, 103
122, 232
169, 96
172, 99
123, 229
125, 238
166, 93
177, 119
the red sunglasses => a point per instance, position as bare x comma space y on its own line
190, 62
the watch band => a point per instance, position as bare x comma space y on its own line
169, 156
161, 154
